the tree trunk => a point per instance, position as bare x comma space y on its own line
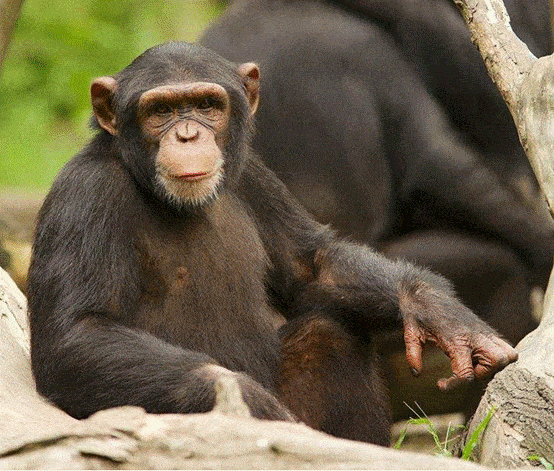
9, 12
523, 393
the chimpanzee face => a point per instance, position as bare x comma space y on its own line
182, 122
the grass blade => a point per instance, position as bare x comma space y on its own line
400, 440
475, 436
547, 464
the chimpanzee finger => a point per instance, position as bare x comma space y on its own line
462, 368
414, 348
448, 384
493, 355
483, 371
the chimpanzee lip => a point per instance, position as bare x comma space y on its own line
194, 177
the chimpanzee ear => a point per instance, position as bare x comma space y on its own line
101, 93
251, 80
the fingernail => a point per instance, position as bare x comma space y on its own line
415, 372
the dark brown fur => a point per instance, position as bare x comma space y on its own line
134, 299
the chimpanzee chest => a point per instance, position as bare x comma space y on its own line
202, 286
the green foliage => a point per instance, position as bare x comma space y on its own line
57, 49
544, 462
475, 437
442, 446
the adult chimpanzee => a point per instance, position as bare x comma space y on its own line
166, 254
380, 118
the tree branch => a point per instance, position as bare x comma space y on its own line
9, 12
508, 59
525, 82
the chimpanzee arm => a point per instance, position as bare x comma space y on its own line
83, 289
361, 287
315, 271
97, 363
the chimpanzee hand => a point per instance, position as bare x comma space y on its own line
474, 349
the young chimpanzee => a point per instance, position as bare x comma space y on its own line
167, 255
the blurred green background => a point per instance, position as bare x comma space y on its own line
58, 47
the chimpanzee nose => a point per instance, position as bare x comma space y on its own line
187, 131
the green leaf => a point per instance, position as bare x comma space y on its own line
544, 462
476, 435
400, 439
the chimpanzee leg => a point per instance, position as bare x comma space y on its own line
330, 379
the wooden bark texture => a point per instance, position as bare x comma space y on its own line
525, 82
523, 396
523, 393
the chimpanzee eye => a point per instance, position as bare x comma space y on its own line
207, 103
161, 108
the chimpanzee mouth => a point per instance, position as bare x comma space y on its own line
194, 177
191, 189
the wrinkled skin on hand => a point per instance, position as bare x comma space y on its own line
474, 348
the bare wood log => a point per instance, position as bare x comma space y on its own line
9, 12
36, 435
522, 394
